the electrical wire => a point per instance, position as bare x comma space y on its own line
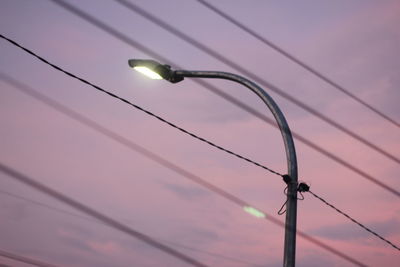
297, 61
354, 220
140, 108
136, 9
125, 229
216, 255
95, 214
250, 161
363, 174
179, 170
162, 161
23, 259
131, 42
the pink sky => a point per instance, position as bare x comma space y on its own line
353, 42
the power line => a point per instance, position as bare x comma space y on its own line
116, 225
23, 259
162, 161
140, 108
216, 255
118, 138
354, 220
227, 195
297, 61
252, 76
95, 214
124, 38
299, 137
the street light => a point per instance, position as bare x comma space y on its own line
165, 72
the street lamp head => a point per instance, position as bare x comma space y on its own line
154, 70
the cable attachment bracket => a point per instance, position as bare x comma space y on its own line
302, 187
286, 178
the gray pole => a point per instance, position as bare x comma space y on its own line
289, 257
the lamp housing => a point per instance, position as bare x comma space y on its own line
155, 70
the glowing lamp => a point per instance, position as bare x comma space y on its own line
154, 70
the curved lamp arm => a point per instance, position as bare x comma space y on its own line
174, 76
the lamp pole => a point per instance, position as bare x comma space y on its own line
165, 72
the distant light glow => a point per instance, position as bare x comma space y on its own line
254, 212
148, 72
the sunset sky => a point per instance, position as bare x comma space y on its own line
353, 42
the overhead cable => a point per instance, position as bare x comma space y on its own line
127, 230
66, 212
252, 76
34, 262
305, 141
141, 109
297, 61
164, 162
131, 42
354, 220
96, 214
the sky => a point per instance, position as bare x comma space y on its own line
354, 43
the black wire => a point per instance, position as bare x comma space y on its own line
330, 249
126, 101
124, 38
167, 164
95, 221
95, 214
123, 228
24, 259
118, 138
140, 108
297, 61
354, 221
252, 76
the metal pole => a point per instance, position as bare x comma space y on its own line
289, 257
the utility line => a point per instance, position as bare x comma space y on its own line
211, 144
354, 220
125, 229
136, 9
141, 109
216, 255
95, 214
370, 178
23, 259
120, 139
227, 195
163, 162
131, 42
297, 61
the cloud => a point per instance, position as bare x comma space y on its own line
188, 193
74, 236
105, 247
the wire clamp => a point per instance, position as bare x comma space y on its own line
303, 187
286, 178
